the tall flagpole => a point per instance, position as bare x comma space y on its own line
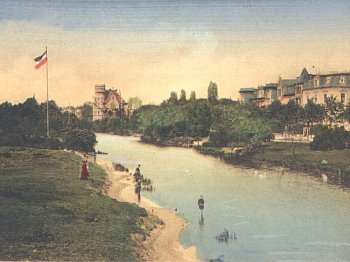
47, 95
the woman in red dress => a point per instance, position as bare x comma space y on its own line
84, 171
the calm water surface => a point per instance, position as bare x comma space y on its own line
276, 217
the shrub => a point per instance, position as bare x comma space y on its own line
330, 139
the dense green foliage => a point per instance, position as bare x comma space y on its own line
226, 122
25, 125
170, 120
331, 138
213, 92
135, 102
48, 214
285, 117
120, 125
235, 124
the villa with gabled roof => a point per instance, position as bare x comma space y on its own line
108, 103
316, 87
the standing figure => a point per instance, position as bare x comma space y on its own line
137, 174
201, 207
138, 190
84, 173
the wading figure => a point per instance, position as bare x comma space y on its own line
137, 174
138, 190
201, 207
84, 173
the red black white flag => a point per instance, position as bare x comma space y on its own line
40, 60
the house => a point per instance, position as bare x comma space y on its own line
261, 96
247, 94
307, 86
108, 103
321, 86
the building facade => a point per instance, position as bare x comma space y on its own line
316, 87
108, 103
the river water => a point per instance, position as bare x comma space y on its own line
289, 217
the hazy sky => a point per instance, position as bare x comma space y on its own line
149, 48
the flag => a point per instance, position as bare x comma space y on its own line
40, 60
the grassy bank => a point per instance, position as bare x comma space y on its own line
47, 213
304, 160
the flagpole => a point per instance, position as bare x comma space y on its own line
47, 96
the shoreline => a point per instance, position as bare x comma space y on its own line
163, 243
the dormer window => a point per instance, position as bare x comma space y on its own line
328, 80
342, 80
279, 92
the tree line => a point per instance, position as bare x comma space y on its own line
227, 122
24, 124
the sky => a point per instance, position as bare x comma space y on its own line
150, 48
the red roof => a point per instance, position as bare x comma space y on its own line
113, 93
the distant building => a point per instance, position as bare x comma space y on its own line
261, 96
247, 94
316, 87
77, 111
108, 103
321, 86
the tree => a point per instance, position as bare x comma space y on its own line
235, 124
134, 102
333, 109
193, 96
182, 99
293, 115
275, 113
346, 113
313, 113
86, 112
212, 92
173, 98
199, 118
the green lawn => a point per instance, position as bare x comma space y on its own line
305, 159
47, 213
283, 152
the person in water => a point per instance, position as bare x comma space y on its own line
138, 190
201, 203
84, 173
137, 174
201, 207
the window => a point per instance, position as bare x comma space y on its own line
298, 90
279, 93
342, 97
325, 97
315, 99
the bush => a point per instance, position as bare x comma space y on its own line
80, 139
331, 139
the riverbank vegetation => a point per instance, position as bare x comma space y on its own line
47, 213
295, 156
25, 125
